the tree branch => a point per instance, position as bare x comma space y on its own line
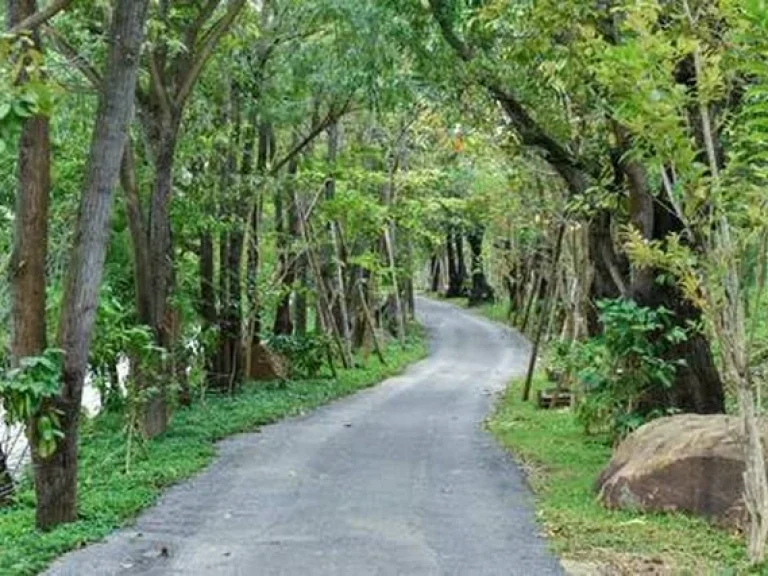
443, 18
73, 57
40, 17
329, 119
206, 50
159, 87
531, 132
194, 30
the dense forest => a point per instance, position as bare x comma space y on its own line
199, 196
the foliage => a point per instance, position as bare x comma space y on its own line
306, 354
21, 100
27, 392
624, 367
111, 497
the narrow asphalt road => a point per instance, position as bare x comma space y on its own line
401, 479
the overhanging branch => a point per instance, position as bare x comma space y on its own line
40, 17
206, 50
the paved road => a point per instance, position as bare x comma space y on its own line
397, 480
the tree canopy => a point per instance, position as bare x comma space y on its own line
196, 195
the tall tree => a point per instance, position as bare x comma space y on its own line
56, 474
173, 75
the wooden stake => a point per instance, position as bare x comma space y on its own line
371, 324
543, 317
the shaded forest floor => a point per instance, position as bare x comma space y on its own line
110, 497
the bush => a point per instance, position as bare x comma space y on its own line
625, 370
306, 354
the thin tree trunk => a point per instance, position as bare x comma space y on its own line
234, 311
30, 242
283, 321
30, 237
434, 273
371, 324
300, 267
454, 276
6, 481
535, 288
253, 330
335, 260
480, 292
395, 285
207, 291
161, 258
461, 264
56, 476
543, 316
141, 265
325, 312
230, 328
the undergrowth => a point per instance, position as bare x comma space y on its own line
110, 498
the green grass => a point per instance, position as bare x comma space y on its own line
562, 465
497, 311
109, 498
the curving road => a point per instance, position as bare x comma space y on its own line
397, 480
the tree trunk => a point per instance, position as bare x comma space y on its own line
234, 326
30, 247
262, 158
335, 259
455, 281
434, 273
698, 387
481, 292
283, 320
6, 482
30, 236
207, 291
534, 290
160, 245
603, 256
461, 263
161, 260
56, 476
301, 267
207, 305
30, 241
230, 358
141, 265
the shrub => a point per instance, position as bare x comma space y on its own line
625, 370
306, 354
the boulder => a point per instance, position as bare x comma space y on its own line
689, 463
266, 364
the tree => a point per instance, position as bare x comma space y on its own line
173, 75
56, 472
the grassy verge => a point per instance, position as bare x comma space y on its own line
562, 465
109, 497
496, 311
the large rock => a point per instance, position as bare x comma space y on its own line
687, 463
266, 364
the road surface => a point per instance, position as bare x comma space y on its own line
401, 479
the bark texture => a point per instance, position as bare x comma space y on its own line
56, 476
27, 277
